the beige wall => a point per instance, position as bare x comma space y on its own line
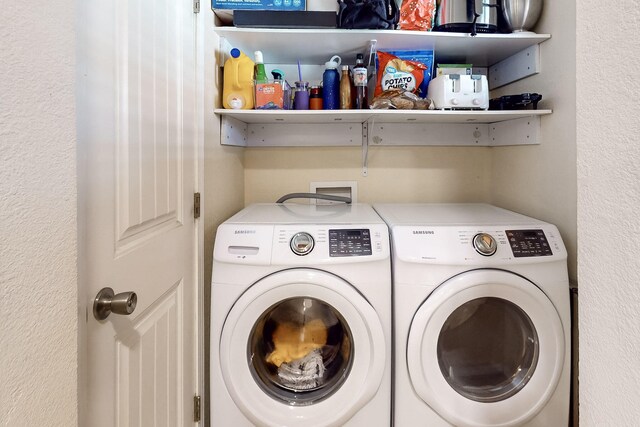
38, 196
395, 174
608, 151
540, 180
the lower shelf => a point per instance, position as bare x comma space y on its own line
379, 116
436, 128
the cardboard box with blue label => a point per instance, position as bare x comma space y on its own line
259, 4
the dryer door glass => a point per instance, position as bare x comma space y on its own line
300, 351
488, 349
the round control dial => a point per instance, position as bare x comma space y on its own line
301, 243
485, 244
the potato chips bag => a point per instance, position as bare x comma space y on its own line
396, 73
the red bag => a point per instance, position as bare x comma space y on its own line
417, 15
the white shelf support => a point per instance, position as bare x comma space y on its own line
523, 64
365, 146
233, 132
524, 131
518, 131
304, 135
442, 134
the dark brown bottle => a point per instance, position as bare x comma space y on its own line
360, 83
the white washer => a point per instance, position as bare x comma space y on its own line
482, 319
301, 317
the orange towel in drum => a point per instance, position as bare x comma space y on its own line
293, 342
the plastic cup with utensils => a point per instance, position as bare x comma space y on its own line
301, 96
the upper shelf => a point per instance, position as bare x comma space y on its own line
316, 46
378, 116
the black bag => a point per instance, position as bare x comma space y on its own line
368, 14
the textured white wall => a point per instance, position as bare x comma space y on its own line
608, 143
38, 278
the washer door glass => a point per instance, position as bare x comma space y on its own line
488, 349
302, 347
300, 350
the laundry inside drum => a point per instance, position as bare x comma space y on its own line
300, 351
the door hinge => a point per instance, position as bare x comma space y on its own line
196, 408
196, 205
196, 6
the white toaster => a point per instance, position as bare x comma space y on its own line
459, 91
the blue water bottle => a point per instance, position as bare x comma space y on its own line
331, 84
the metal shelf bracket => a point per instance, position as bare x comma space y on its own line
233, 132
524, 131
518, 66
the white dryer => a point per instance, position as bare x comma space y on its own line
482, 319
301, 317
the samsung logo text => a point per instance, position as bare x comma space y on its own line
423, 232
245, 232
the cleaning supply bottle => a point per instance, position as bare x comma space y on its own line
237, 90
331, 84
345, 89
287, 97
360, 83
261, 74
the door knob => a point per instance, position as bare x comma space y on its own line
106, 303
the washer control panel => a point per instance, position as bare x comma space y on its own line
528, 243
302, 244
349, 242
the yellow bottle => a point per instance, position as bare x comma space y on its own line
237, 91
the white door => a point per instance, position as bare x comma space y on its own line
138, 174
486, 348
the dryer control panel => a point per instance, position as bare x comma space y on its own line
525, 243
481, 245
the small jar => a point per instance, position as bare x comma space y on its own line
315, 98
301, 96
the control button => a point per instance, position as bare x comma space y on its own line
454, 101
476, 101
301, 243
485, 244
